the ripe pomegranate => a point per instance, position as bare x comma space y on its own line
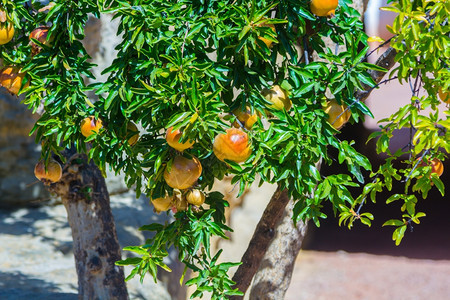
444, 96
51, 175
183, 172
90, 125
323, 8
245, 117
277, 97
195, 197
337, 114
162, 204
40, 34
11, 79
132, 128
437, 167
6, 29
233, 145
173, 139
264, 40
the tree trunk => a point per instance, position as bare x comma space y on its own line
261, 239
96, 248
275, 272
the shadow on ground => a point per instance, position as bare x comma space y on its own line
16, 285
129, 214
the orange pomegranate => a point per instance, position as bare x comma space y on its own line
323, 8
162, 204
173, 139
179, 201
264, 40
40, 34
132, 129
52, 174
234, 146
181, 205
337, 114
437, 167
11, 78
245, 117
444, 96
90, 125
277, 97
6, 29
183, 172
195, 197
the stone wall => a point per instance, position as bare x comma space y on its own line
18, 151
18, 155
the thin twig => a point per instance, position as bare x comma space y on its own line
364, 199
305, 50
379, 46
416, 164
387, 61
184, 39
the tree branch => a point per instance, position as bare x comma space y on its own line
387, 61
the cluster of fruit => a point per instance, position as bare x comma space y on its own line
89, 126
11, 77
183, 172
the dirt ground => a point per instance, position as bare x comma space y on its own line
353, 276
362, 263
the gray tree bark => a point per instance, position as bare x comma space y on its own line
96, 248
275, 271
260, 241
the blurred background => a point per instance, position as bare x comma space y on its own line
36, 257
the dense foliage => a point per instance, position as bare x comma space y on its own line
190, 63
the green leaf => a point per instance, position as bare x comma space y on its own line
393, 222
112, 95
132, 273
152, 227
394, 198
373, 67
363, 108
129, 261
366, 79
301, 11
398, 234
137, 250
184, 116
365, 221
305, 88
243, 32
438, 183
